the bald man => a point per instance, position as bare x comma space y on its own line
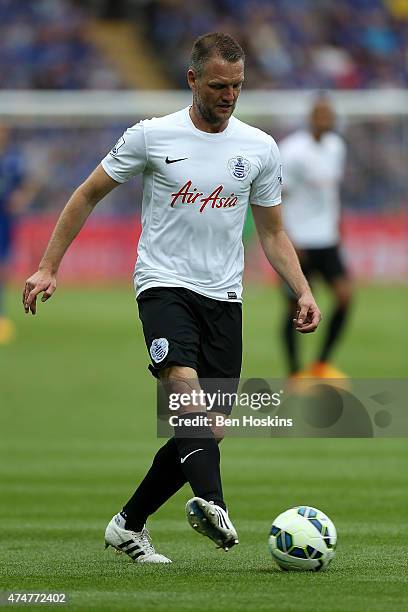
313, 168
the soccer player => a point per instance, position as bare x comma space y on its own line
201, 168
313, 161
15, 193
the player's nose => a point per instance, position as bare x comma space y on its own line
228, 95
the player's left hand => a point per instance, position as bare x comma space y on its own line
308, 315
41, 282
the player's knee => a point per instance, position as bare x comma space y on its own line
344, 296
217, 426
219, 433
182, 383
179, 376
343, 292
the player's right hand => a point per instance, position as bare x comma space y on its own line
40, 282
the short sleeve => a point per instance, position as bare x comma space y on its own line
292, 169
129, 156
266, 188
342, 157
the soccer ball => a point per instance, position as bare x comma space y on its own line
302, 538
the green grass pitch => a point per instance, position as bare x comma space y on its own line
78, 432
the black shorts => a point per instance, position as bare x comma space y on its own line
184, 328
327, 263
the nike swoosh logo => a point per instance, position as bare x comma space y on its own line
182, 460
173, 161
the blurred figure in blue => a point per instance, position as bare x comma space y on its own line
15, 195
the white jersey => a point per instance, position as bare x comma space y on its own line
312, 172
196, 189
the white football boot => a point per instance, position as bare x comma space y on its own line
136, 544
212, 521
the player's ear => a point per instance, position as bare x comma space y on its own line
191, 79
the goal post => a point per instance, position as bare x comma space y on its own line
36, 107
64, 135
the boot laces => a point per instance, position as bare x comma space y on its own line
146, 540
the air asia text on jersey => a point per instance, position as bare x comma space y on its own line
189, 195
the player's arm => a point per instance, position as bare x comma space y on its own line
282, 257
77, 210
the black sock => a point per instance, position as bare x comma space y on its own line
336, 325
200, 459
289, 339
164, 479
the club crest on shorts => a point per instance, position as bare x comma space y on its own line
239, 167
159, 349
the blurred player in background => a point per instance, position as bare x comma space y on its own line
15, 194
313, 162
201, 168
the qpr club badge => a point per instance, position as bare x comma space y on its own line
159, 349
239, 167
